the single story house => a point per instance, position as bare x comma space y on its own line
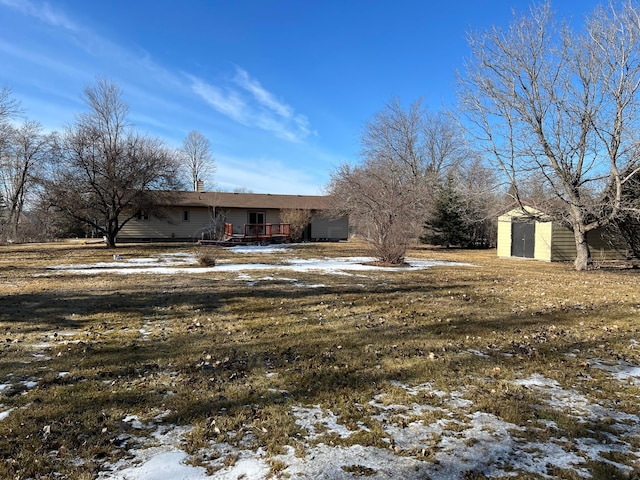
197, 215
533, 235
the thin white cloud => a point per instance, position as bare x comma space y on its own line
276, 126
227, 103
42, 60
264, 98
136, 60
245, 101
302, 122
43, 12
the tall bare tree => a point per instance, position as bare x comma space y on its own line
24, 155
563, 105
9, 110
196, 156
106, 171
9, 106
403, 152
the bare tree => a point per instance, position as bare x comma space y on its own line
465, 207
25, 152
107, 172
216, 228
9, 106
404, 152
422, 142
196, 156
379, 205
563, 105
9, 109
298, 220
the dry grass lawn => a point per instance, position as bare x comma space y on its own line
233, 355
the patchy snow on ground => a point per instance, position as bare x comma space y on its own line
435, 435
260, 248
125, 263
164, 464
461, 441
621, 371
181, 263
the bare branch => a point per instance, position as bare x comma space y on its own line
542, 98
197, 158
107, 170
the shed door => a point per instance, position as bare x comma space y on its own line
523, 236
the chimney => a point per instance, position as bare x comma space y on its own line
198, 186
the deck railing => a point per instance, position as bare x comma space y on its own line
267, 230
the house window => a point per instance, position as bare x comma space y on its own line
186, 216
257, 218
142, 215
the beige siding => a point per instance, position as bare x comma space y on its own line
543, 241
504, 236
200, 220
556, 243
330, 229
238, 218
504, 239
273, 216
173, 227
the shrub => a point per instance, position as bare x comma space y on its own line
205, 259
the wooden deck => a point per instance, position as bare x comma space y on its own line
253, 233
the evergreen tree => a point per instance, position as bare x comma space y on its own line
448, 225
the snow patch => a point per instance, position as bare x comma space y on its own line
255, 249
622, 371
182, 264
160, 466
447, 448
311, 419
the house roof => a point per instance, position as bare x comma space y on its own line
244, 200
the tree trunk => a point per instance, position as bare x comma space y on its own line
111, 240
583, 254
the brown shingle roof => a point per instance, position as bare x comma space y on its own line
244, 200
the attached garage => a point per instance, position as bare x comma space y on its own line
521, 236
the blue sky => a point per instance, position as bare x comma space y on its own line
282, 89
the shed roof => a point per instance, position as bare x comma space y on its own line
244, 200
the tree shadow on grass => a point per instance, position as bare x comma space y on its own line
200, 373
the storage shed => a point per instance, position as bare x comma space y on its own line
533, 235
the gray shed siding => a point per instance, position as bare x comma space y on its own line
323, 228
